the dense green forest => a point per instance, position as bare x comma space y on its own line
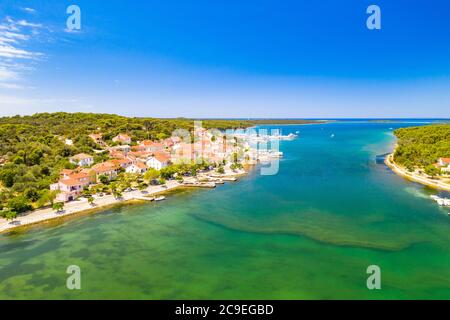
422, 146
33, 150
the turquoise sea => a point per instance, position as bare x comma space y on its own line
308, 232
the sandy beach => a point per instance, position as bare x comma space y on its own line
414, 176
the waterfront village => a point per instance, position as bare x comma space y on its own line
209, 160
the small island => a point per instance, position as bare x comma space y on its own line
422, 154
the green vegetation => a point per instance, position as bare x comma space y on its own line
432, 171
236, 166
33, 150
420, 147
58, 206
151, 174
10, 215
183, 169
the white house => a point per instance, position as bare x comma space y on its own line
138, 167
122, 138
123, 148
151, 146
70, 189
444, 162
158, 161
108, 169
82, 160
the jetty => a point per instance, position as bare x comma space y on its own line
443, 202
144, 198
229, 179
210, 185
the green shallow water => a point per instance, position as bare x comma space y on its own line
308, 232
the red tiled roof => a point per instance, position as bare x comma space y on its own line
66, 172
139, 153
104, 167
117, 154
162, 156
77, 176
123, 136
87, 171
149, 143
131, 157
120, 161
141, 165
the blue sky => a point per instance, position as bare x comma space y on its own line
227, 58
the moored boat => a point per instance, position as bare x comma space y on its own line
444, 202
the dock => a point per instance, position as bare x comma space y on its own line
210, 185
229, 179
144, 198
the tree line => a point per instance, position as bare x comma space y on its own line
421, 147
33, 149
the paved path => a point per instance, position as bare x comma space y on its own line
80, 205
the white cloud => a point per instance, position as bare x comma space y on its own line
15, 36
8, 51
29, 10
25, 23
14, 54
7, 40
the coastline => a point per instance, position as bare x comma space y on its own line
82, 206
389, 161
